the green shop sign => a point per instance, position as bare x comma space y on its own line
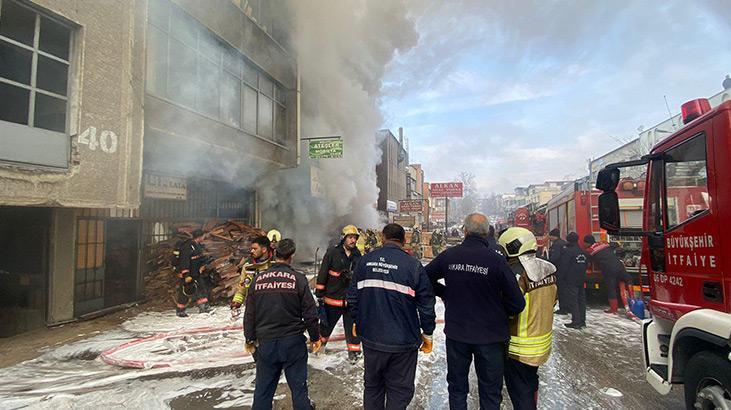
326, 148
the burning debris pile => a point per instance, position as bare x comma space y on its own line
225, 244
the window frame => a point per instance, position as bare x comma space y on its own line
36, 53
666, 209
657, 195
278, 94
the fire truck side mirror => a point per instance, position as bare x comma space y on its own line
609, 211
608, 179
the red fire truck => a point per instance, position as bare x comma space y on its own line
575, 210
686, 209
533, 221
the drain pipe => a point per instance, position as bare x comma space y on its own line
299, 120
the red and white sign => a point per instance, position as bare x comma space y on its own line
436, 216
446, 189
411, 205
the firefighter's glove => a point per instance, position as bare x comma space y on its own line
235, 305
427, 343
250, 347
188, 279
315, 346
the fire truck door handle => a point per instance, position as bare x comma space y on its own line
712, 291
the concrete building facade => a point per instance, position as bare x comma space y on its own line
540, 194
391, 173
416, 178
119, 119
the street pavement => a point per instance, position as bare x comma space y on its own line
598, 367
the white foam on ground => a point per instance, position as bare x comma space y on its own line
612, 392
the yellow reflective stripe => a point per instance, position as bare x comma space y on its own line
529, 352
238, 298
547, 343
531, 346
523, 318
532, 340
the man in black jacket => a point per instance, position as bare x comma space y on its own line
480, 291
574, 262
333, 279
279, 308
392, 303
554, 256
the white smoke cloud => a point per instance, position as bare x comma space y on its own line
343, 49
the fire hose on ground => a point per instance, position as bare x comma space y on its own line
116, 355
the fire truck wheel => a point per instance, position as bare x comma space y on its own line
708, 381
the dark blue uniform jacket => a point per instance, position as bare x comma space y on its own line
391, 300
479, 293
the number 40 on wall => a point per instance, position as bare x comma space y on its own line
106, 141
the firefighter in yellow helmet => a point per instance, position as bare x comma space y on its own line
531, 331
274, 237
333, 279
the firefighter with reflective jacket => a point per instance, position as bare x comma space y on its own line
361, 242
333, 279
191, 263
259, 260
372, 241
416, 243
531, 331
615, 275
437, 243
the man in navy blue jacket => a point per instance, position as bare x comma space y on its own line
479, 292
392, 303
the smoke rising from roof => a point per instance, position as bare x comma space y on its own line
343, 48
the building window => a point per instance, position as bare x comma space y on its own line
34, 67
189, 65
686, 181
89, 259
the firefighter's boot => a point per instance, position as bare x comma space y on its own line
623, 294
612, 307
323, 344
180, 313
353, 357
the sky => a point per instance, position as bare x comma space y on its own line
520, 92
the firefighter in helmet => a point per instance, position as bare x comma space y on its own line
274, 236
531, 331
373, 240
437, 243
416, 243
333, 279
191, 265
